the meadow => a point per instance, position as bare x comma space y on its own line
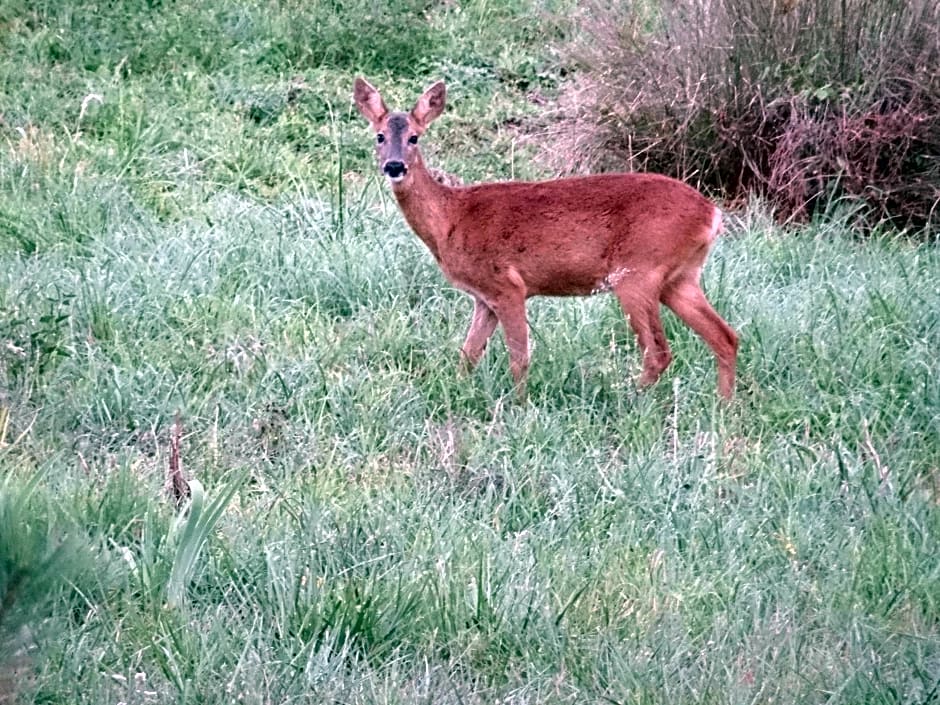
193, 232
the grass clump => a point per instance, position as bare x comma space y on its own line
44, 565
803, 102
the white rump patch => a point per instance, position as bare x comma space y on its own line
716, 226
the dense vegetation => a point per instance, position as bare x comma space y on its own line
191, 229
806, 102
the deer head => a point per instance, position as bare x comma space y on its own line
397, 133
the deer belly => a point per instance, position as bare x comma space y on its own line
533, 280
572, 276
566, 284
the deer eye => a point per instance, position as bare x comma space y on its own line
380, 138
413, 139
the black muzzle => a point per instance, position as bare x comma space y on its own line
395, 170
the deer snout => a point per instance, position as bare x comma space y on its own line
395, 169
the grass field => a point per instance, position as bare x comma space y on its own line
191, 225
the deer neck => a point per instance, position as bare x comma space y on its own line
426, 204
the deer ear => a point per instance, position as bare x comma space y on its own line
430, 105
368, 101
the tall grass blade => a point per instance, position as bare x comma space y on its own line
191, 531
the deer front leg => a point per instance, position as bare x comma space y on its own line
481, 328
512, 316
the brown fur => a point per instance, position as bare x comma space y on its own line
643, 236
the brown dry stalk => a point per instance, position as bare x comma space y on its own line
176, 485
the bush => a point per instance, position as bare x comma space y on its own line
800, 101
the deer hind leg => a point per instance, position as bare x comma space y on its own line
640, 304
687, 299
481, 328
663, 353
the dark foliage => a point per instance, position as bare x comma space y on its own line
804, 102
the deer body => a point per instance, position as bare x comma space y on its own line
644, 237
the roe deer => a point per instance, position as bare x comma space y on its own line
644, 237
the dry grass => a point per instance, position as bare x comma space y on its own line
802, 102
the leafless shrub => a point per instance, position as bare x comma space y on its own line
801, 101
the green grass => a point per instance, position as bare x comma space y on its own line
198, 243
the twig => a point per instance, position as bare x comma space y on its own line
176, 485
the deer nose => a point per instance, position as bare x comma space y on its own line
395, 169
